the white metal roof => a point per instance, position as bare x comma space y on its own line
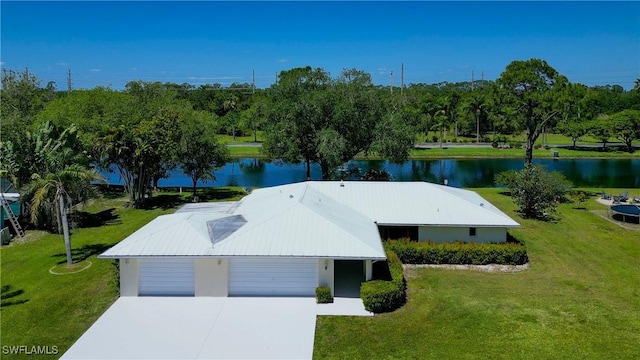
415, 203
292, 221
310, 219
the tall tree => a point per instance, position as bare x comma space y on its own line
531, 88
200, 153
56, 191
476, 105
317, 119
601, 128
625, 125
297, 115
574, 129
143, 144
229, 106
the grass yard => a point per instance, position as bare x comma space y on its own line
248, 138
580, 299
514, 153
469, 153
42, 309
246, 151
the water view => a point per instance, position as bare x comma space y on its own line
251, 172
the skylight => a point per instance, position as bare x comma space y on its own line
220, 229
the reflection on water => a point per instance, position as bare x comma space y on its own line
617, 173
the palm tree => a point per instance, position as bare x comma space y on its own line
55, 191
441, 120
477, 106
229, 106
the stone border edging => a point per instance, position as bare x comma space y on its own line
494, 268
71, 272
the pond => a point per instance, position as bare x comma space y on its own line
251, 172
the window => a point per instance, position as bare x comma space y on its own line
472, 231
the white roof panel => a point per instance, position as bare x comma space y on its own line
415, 203
311, 219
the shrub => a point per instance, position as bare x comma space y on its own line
434, 138
515, 144
323, 295
381, 296
411, 252
535, 191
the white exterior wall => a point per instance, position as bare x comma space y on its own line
368, 270
326, 276
212, 277
129, 277
440, 234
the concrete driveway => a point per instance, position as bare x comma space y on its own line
201, 328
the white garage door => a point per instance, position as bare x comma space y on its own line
273, 277
163, 277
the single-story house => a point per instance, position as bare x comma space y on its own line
287, 240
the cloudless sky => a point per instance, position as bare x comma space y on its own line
112, 43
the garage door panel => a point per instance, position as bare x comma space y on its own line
168, 277
273, 277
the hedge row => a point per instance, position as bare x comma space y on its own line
411, 252
381, 296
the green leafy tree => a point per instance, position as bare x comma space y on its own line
535, 191
574, 129
56, 191
625, 125
143, 144
200, 153
299, 111
46, 149
601, 129
22, 98
229, 106
254, 117
531, 88
317, 119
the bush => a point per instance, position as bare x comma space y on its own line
323, 295
535, 191
381, 296
515, 144
434, 138
411, 252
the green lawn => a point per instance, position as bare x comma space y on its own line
245, 151
42, 309
417, 154
580, 299
248, 138
513, 153
452, 152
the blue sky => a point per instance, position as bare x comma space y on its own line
111, 43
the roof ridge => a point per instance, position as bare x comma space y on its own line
337, 203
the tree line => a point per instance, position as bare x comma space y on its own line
150, 128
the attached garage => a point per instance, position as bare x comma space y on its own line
273, 277
166, 277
